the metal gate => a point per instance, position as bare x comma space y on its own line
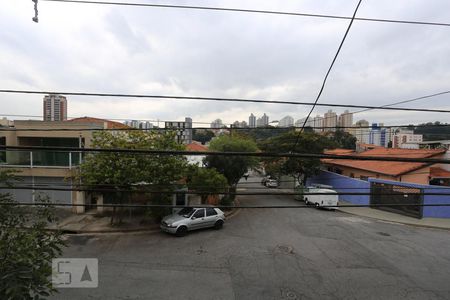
384, 193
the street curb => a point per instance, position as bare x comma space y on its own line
111, 233
232, 214
396, 222
77, 232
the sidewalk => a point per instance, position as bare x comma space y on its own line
395, 218
90, 223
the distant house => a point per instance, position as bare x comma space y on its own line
107, 124
197, 147
413, 172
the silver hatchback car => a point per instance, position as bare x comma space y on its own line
191, 218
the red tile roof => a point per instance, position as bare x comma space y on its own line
437, 172
109, 124
388, 167
339, 151
196, 147
369, 146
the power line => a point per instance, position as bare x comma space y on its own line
177, 185
195, 98
406, 101
328, 73
337, 128
298, 14
218, 153
202, 122
203, 192
108, 119
219, 206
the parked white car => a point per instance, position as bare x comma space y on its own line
330, 199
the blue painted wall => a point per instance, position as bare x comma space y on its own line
343, 184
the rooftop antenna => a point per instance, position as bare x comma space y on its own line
35, 18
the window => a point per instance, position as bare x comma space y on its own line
200, 213
186, 212
210, 212
366, 178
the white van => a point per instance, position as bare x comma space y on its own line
321, 200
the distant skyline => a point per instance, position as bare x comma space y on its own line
91, 48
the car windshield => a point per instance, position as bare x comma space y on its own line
186, 212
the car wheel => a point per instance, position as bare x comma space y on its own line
306, 201
218, 224
181, 231
317, 205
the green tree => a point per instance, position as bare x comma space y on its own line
342, 139
232, 167
261, 133
299, 168
206, 181
202, 135
26, 253
155, 173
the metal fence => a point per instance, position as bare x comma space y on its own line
385, 193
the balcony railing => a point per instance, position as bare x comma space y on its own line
36, 159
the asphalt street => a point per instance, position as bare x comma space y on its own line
272, 254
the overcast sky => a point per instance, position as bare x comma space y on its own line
98, 48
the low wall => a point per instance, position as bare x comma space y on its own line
428, 211
344, 184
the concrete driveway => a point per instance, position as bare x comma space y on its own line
272, 254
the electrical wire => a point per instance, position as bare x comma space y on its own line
219, 153
203, 192
337, 128
53, 204
195, 98
200, 122
241, 185
210, 8
405, 101
327, 74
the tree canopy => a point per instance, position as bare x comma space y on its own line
206, 181
26, 253
202, 135
232, 167
342, 139
127, 171
299, 168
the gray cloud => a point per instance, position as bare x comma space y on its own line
205, 53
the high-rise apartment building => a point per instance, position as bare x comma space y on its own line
287, 121
345, 121
361, 131
330, 121
55, 108
216, 124
265, 120
378, 135
184, 130
238, 124
252, 121
318, 124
